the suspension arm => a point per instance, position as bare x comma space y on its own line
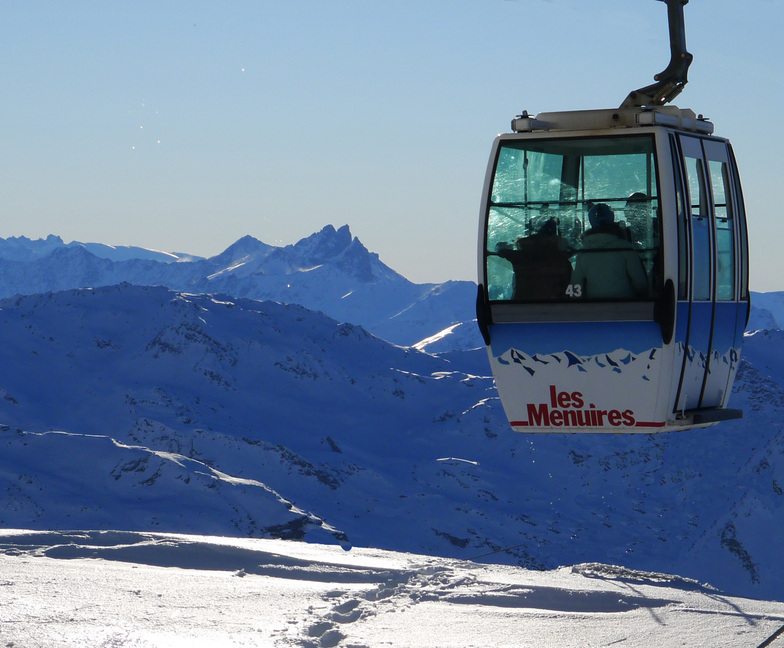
669, 82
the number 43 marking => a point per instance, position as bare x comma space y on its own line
574, 290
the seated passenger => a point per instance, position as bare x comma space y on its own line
607, 266
540, 264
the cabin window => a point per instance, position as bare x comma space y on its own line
574, 219
700, 223
725, 257
683, 226
743, 257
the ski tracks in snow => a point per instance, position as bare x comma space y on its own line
396, 591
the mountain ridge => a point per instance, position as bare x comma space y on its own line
330, 271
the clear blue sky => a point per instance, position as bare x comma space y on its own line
183, 126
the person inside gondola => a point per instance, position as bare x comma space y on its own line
540, 264
607, 265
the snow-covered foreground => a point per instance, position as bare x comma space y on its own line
122, 589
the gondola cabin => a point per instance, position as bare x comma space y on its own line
613, 271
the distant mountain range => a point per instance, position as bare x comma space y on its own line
330, 271
142, 408
21, 248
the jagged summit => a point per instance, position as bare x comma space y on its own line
324, 245
336, 249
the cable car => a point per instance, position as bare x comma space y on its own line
613, 265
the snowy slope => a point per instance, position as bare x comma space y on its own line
134, 590
139, 408
133, 479
329, 271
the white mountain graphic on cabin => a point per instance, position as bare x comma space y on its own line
620, 361
552, 366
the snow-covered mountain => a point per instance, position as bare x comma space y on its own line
329, 271
141, 408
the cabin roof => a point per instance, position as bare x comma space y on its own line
588, 120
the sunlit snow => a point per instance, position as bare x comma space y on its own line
121, 589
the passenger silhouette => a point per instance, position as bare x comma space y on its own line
540, 264
607, 265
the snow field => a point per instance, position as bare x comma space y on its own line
142, 590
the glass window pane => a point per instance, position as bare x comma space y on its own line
742, 239
725, 257
700, 224
683, 227
541, 242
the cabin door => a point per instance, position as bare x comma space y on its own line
708, 296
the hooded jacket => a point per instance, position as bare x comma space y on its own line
608, 266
